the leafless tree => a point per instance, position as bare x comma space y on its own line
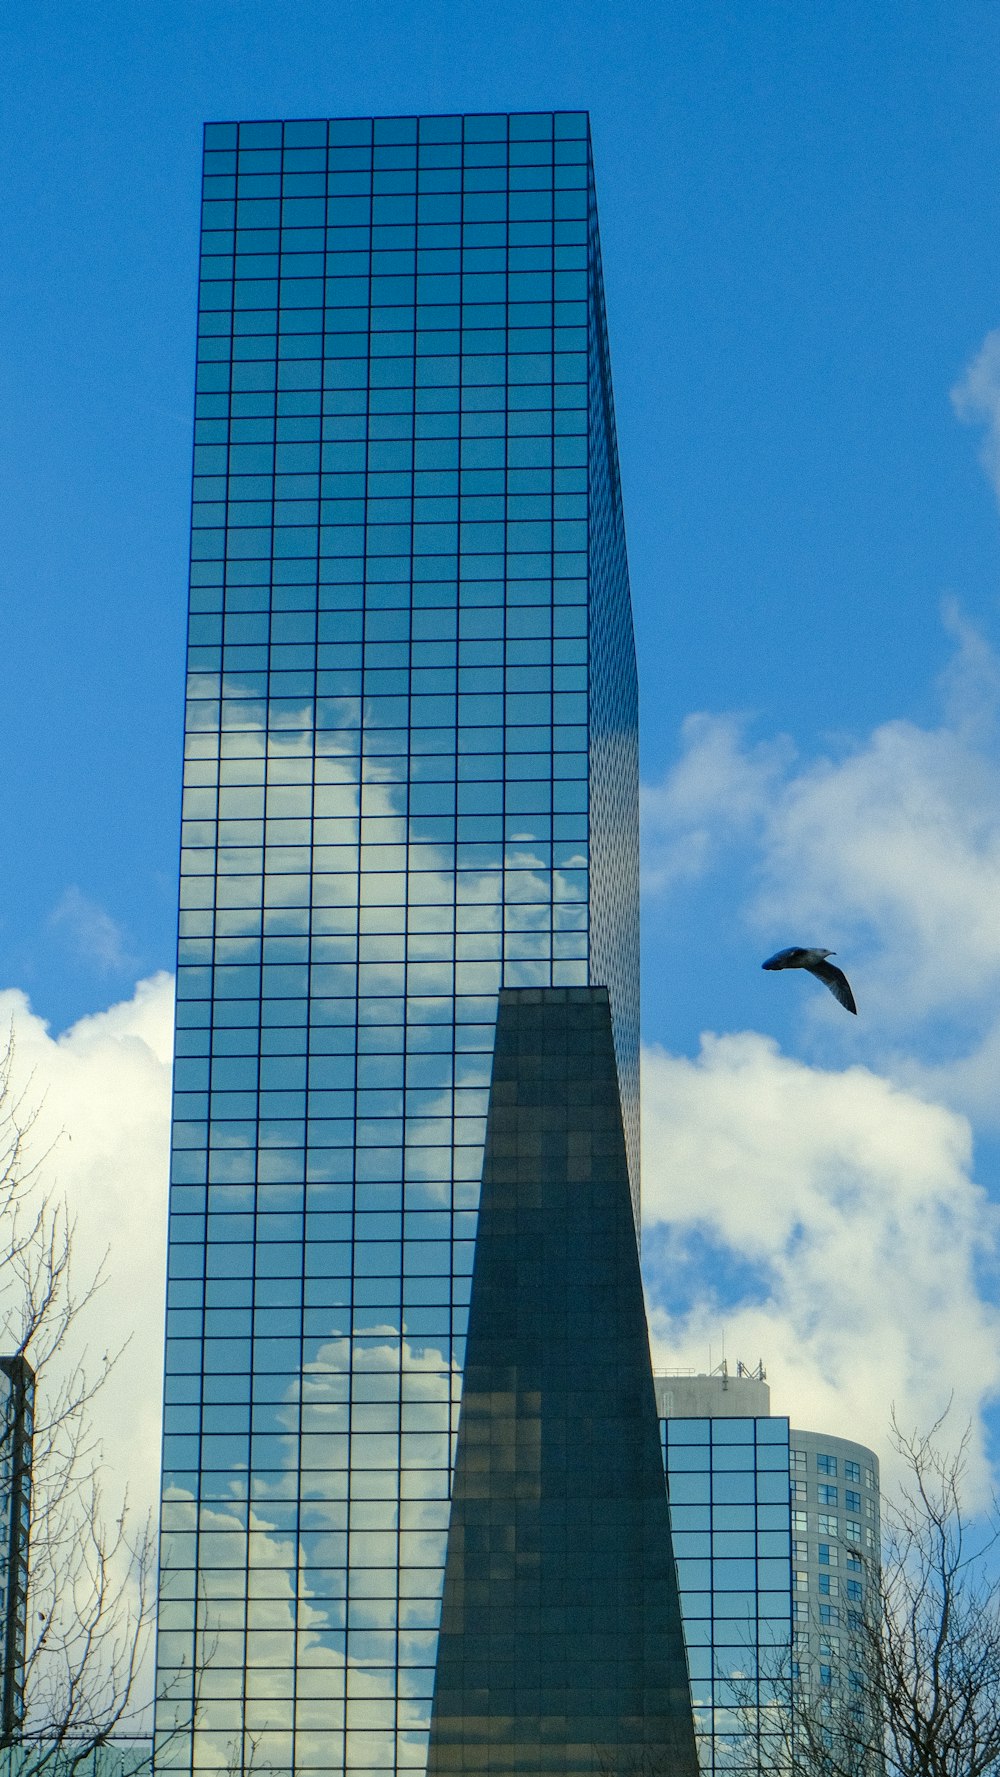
90, 1565
916, 1692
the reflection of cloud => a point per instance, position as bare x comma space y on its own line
399, 1381
520, 909
93, 935
400, 1393
300, 1580
844, 1232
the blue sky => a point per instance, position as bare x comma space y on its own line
799, 211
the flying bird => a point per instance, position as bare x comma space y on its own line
815, 961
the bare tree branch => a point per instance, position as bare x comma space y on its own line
90, 1575
916, 1692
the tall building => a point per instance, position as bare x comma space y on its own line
772, 1573
835, 1556
727, 1464
17, 1405
410, 779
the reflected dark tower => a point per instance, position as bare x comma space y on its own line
561, 1647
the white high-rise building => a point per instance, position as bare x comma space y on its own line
835, 1551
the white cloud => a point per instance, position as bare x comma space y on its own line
853, 1203
897, 844
93, 935
887, 851
102, 1090
849, 1244
718, 790
970, 683
976, 399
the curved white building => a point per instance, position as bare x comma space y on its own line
835, 1549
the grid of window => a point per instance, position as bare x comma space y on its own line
614, 738
727, 1480
120, 1755
561, 1647
410, 733
837, 1553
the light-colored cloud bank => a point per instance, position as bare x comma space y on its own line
851, 1193
890, 848
90, 932
851, 1202
847, 1240
102, 1092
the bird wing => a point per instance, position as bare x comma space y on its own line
784, 959
836, 981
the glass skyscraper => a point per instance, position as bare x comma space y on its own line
775, 1575
410, 779
727, 1472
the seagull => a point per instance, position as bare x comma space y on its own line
815, 961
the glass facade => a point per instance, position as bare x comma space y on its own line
727, 1480
561, 1648
410, 777
115, 1756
